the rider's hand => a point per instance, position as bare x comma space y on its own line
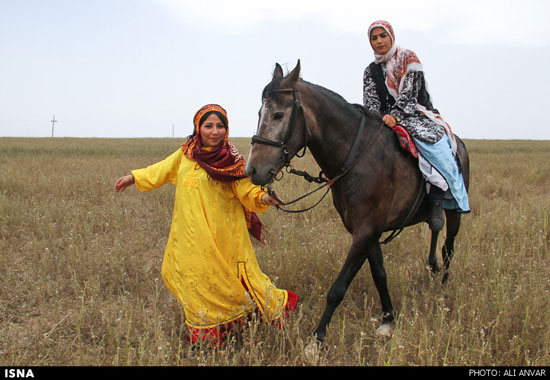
389, 120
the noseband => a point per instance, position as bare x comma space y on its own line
296, 107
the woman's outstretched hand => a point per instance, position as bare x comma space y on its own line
123, 182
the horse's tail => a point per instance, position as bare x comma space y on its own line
463, 160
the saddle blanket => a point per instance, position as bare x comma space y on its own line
405, 140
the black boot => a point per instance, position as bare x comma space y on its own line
437, 218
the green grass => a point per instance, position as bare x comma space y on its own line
81, 281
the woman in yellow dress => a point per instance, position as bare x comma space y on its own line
209, 263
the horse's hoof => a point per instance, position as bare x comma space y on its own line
434, 268
311, 351
320, 336
384, 331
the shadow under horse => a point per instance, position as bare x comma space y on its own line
376, 186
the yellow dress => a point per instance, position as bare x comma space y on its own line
209, 254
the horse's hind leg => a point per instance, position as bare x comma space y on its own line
432, 258
453, 225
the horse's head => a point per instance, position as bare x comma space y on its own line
281, 127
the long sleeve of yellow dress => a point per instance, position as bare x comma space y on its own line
158, 174
209, 264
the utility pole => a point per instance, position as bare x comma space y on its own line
53, 123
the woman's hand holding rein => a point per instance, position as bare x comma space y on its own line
270, 200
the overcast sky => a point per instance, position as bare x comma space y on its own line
141, 68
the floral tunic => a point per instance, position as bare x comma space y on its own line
417, 124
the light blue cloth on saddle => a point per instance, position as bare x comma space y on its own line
441, 157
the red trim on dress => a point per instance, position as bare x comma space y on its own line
215, 335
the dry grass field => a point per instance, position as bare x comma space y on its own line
80, 267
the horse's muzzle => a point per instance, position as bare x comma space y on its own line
258, 178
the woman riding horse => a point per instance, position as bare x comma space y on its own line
394, 87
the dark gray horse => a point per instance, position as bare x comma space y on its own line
376, 188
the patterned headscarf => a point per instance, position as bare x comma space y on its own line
399, 62
223, 163
208, 109
389, 29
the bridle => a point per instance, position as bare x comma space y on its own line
296, 107
351, 159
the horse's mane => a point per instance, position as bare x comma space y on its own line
339, 100
270, 91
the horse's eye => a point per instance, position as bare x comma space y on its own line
278, 115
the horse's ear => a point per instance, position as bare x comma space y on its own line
278, 73
293, 77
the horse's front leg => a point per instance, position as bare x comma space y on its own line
354, 261
378, 272
360, 250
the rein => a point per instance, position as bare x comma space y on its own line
349, 163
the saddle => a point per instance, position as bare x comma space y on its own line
405, 140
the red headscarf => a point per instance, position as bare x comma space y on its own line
223, 163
